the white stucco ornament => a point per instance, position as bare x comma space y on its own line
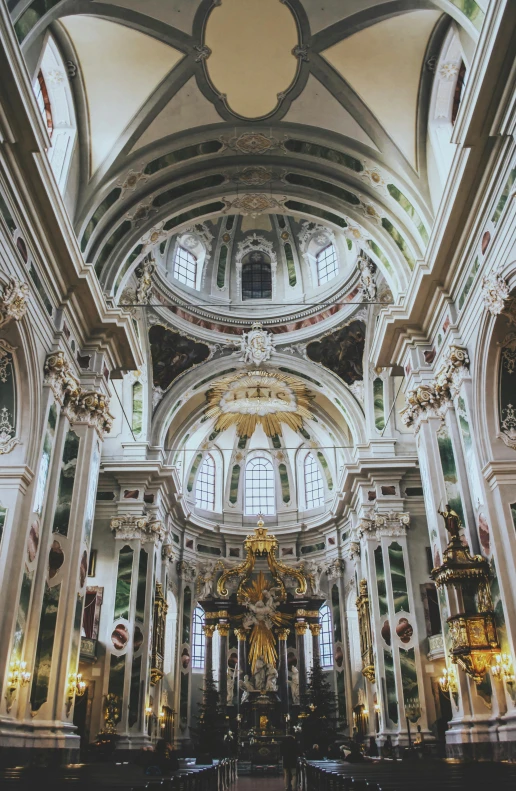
256, 345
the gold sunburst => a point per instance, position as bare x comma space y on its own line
254, 398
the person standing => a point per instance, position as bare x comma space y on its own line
290, 754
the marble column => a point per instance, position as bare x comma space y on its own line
223, 663
315, 629
301, 627
242, 655
283, 669
208, 630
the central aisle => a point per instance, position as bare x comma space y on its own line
260, 783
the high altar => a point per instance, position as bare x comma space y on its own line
263, 601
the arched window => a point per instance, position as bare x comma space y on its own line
314, 487
259, 487
326, 637
327, 264
55, 101
185, 267
205, 487
198, 639
256, 277
44, 103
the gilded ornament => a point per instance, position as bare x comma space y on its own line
255, 176
248, 399
209, 629
253, 143
241, 634
300, 627
255, 203
315, 629
365, 634
223, 629
283, 634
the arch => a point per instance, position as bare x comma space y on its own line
198, 638
326, 637
259, 487
205, 485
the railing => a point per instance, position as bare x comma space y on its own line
88, 649
436, 646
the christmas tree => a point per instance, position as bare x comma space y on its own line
211, 723
319, 725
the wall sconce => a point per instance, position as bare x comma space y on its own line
17, 677
76, 689
503, 669
148, 711
448, 680
377, 708
161, 716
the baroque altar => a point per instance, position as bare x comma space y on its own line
263, 606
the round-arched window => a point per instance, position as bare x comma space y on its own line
259, 487
205, 486
256, 276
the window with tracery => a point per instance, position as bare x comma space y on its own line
325, 637
314, 487
256, 277
327, 264
205, 487
198, 639
259, 487
185, 267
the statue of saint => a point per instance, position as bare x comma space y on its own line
260, 674
452, 522
231, 685
294, 685
272, 679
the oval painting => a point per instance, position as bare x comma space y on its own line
33, 541
120, 636
55, 559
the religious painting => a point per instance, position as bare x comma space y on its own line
404, 630
120, 636
173, 354
385, 631
341, 351
55, 559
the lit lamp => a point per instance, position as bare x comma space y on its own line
448, 681
503, 669
161, 716
17, 677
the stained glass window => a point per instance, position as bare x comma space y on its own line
198, 639
205, 487
259, 487
314, 487
327, 264
185, 267
325, 637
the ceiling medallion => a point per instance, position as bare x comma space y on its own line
255, 176
252, 143
253, 398
256, 346
255, 204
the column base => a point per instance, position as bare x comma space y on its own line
44, 743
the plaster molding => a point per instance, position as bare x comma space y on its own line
378, 525
138, 528
432, 399
335, 569
186, 571
495, 291
13, 301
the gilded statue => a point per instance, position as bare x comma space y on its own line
261, 602
452, 522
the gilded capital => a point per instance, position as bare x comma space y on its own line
301, 627
315, 628
283, 634
241, 634
209, 629
223, 629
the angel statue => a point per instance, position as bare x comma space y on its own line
206, 579
314, 571
261, 602
231, 685
260, 674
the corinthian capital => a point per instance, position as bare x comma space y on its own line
92, 408
13, 301
128, 528
392, 523
59, 377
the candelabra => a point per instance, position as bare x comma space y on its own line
76, 689
503, 669
17, 677
448, 680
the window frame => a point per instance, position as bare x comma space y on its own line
207, 482
261, 507
326, 647
324, 267
265, 281
188, 280
198, 642
320, 481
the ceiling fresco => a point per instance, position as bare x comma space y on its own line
173, 354
341, 351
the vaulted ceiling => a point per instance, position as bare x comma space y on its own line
175, 98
